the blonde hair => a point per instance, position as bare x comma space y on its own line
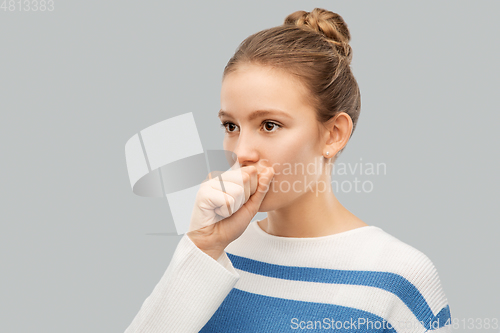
314, 47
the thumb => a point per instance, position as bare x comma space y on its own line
256, 199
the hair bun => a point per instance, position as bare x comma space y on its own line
330, 25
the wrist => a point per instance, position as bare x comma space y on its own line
215, 254
213, 251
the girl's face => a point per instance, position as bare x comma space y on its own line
269, 122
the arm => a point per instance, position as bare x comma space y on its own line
188, 294
436, 298
430, 301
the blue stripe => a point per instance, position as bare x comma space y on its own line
390, 282
244, 312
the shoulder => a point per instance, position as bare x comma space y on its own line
402, 258
390, 254
413, 271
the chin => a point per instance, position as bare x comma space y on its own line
273, 201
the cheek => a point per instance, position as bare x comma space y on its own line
300, 150
292, 174
227, 145
295, 162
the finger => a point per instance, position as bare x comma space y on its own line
212, 175
240, 184
234, 176
221, 203
254, 181
234, 190
242, 177
265, 179
246, 184
250, 181
253, 204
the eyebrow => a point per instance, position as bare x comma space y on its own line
256, 114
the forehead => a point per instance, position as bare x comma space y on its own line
254, 87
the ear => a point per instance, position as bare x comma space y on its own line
338, 131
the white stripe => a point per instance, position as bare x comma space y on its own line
371, 249
354, 296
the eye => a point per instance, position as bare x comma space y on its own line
269, 126
226, 125
274, 126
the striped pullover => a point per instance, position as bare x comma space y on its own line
361, 280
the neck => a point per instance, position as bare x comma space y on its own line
311, 215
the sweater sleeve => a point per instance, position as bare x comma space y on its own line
433, 307
441, 322
188, 294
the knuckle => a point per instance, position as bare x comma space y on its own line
246, 177
231, 200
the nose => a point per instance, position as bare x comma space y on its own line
246, 150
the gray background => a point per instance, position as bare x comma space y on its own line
81, 252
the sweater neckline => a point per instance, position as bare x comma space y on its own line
260, 231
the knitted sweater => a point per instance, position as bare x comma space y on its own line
361, 280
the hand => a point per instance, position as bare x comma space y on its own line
222, 212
